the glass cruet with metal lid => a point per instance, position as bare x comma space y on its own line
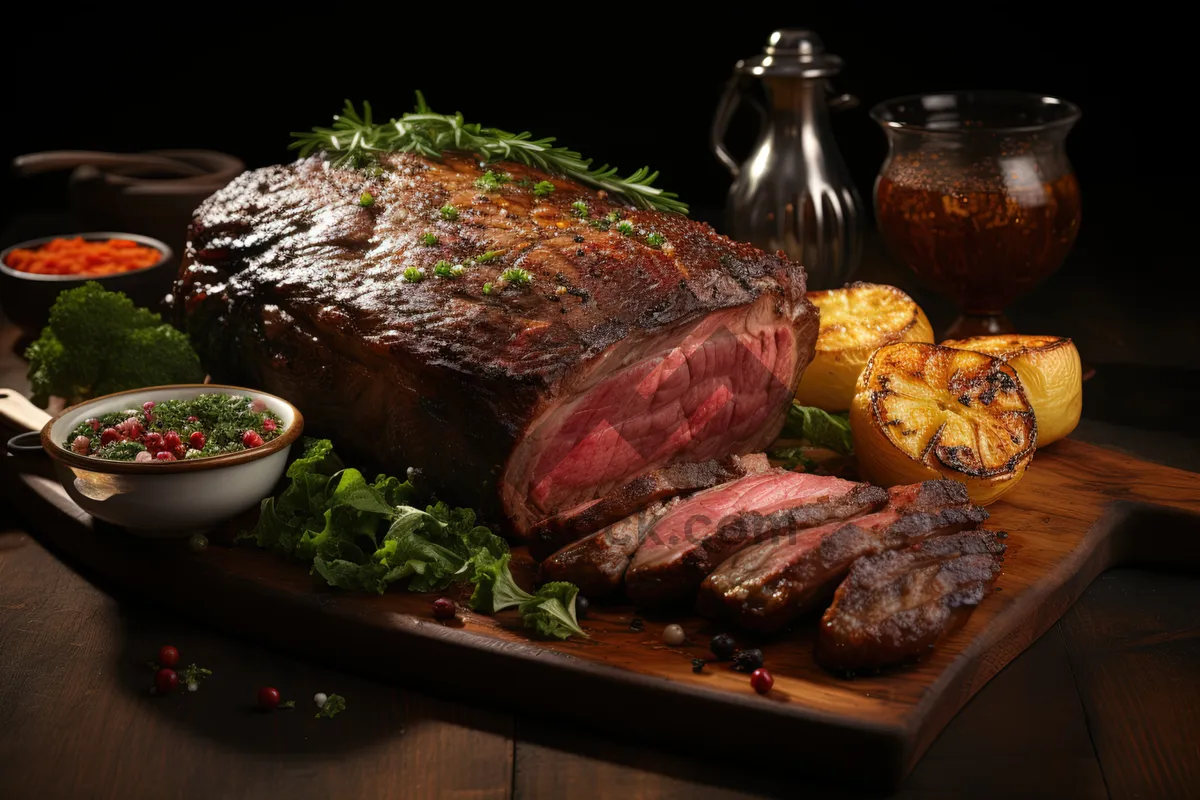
794, 193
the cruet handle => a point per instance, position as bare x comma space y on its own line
730, 100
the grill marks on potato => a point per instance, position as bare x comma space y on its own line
962, 409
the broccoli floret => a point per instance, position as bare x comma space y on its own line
99, 342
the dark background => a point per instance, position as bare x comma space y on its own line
625, 87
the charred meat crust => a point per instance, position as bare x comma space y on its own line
675, 480
896, 606
288, 283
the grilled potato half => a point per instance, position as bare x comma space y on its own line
855, 322
923, 411
1050, 372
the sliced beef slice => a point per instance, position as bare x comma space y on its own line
896, 606
683, 546
554, 533
766, 585
597, 563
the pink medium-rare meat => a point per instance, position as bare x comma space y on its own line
614, 351
703, 530
694, 393
765, 586
897, 605
674, 480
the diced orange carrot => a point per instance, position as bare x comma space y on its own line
75, 256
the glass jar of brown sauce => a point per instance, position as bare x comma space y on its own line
977, 196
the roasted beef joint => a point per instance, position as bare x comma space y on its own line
530, 351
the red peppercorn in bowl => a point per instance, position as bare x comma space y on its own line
168, 493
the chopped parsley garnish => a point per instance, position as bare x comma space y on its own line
193, 674
448, 212
366, 200
487, 288
516, 276
488, 256
414, 274
428, 239
119, 451
580, 209
656, 240
288, 704
334, 705
625, 228
543, 188
605, 222
491, 182
443, 269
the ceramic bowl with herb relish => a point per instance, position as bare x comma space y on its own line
213, 451
203, 426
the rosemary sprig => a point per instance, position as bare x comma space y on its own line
355, 139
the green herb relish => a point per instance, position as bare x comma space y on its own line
224, 420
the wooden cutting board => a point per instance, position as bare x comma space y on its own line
1079, 511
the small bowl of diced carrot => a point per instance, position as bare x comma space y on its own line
33, 273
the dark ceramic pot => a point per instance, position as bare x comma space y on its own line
155, 204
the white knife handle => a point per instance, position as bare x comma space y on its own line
18, 413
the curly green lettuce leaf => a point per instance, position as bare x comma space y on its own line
343, 523
819, 428
394, 491
330, 516
551, 612
344, 574
317, 458
495, 589
432, 547
369, 500
301, 507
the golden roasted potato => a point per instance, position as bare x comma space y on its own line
923, 411
855, 321
1050, 371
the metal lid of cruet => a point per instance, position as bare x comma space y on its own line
792, 52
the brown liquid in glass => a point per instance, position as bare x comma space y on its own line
984, 245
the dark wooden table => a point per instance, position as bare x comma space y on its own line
1106, 704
